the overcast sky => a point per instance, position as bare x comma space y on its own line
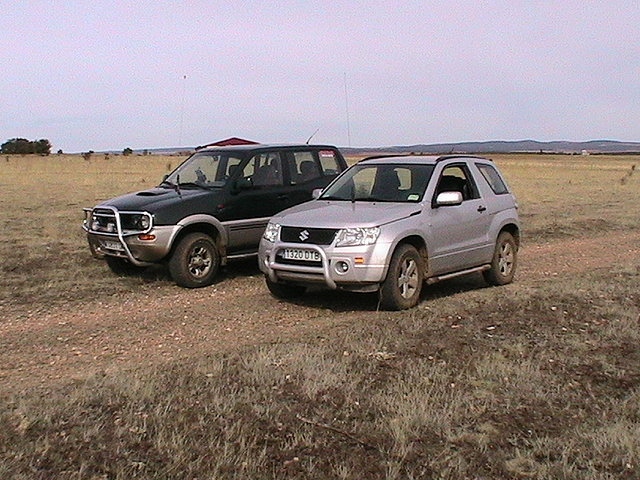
111, 74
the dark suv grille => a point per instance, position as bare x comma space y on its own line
315, 236
104, 220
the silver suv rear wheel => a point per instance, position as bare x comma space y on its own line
504, 262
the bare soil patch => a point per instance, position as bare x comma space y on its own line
46, 347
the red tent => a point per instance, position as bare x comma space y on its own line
229, 141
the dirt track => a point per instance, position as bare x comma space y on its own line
47, 347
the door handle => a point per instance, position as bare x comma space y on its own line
482, 208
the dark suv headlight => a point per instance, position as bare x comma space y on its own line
136, 221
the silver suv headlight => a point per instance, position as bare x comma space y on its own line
357, 236
272, 232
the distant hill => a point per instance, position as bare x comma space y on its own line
523, 146
493, 146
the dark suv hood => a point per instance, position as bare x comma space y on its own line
166, 204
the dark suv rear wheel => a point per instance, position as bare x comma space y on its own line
195, 261
401, 289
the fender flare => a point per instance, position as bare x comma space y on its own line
501, 223
398, 241
223, 237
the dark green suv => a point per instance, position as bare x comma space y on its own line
214, 207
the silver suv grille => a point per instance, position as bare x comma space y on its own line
315, 236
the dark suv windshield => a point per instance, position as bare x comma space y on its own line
206, 169
381, 183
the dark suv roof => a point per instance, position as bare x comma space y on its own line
267, 146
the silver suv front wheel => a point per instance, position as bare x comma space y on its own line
401, 289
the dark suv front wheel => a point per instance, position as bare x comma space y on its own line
401, 289
195, 261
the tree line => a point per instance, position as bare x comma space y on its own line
21, 146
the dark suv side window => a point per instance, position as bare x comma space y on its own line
303, 167
457, 178
264, 169
492, 177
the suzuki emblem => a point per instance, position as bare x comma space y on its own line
303, 235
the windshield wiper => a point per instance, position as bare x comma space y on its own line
175, 186
331, 197
194, 184
370, 199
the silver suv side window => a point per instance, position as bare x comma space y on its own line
457, 178
492, 177
264, 169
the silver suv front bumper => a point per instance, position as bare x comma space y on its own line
360, 268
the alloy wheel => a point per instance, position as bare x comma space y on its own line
200, 261
408, 278
505, 259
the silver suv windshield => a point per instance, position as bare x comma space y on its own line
381, 183
204, 170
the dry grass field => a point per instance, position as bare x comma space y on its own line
106, 377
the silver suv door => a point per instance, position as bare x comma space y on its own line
458, 234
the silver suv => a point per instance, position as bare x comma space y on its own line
388, 224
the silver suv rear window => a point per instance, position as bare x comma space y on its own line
493, 178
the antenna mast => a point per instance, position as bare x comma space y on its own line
184, 88
312, 135
346, 102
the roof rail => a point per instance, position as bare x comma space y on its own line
460, 155
438, 159
387, 155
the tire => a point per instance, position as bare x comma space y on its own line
122, 267
504, 262
284, 290
401, 289
195, 261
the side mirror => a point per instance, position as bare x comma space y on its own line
448, 199
315, 194
165, 176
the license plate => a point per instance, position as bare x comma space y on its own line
112, 245
300, 254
